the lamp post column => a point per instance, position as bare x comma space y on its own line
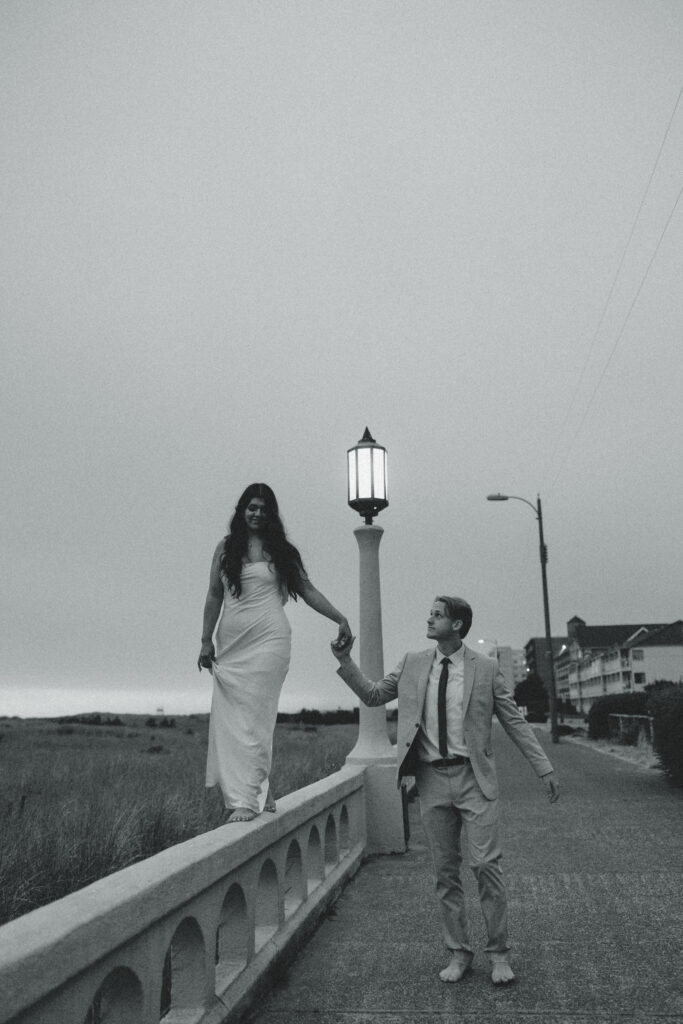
373, 744
548, 635
386, 831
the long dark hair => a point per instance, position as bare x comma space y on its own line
283, 555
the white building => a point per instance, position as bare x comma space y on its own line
512, 663
649, 653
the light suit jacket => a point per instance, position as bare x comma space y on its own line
485, 694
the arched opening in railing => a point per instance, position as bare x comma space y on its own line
331, 854
183, 982
266, 910
295, 888
344, 832
118, 1000
314, 859
232, 938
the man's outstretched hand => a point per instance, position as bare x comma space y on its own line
341, 648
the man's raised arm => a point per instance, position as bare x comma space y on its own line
372, 694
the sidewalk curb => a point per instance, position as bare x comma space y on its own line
579, 742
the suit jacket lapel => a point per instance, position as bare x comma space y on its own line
422, 681
468, 681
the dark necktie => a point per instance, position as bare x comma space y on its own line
441, 707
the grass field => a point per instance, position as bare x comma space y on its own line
80, 801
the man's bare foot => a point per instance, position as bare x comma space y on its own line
502, 973
455, 971
240, 814
270, 807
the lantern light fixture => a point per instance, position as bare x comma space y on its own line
367, 472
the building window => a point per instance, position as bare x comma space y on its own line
640, 678
637, 655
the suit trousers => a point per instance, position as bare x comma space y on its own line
449, 798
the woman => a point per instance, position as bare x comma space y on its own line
254, 571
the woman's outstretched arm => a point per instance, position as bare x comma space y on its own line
319, 603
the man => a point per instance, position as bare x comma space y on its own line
446, 701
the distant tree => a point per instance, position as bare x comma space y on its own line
311, 716
532, 694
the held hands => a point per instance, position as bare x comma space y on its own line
552, 787
207, 656
341, 647
344, 642
344, 631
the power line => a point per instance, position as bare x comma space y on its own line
620, 334
603, 313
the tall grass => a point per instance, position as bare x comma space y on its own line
78, 802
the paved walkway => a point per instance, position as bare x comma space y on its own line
596, 896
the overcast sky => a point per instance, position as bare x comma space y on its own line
237, 233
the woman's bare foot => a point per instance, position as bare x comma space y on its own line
240, 814
270, 806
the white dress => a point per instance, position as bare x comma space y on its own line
253, 643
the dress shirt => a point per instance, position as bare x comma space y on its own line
427, 742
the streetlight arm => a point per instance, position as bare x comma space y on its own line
529, 503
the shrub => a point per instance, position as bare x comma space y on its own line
659, 684
613, 704
532, 694
666, 707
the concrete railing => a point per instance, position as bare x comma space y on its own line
191, 935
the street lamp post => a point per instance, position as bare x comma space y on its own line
546, 610
367, 469
367, 481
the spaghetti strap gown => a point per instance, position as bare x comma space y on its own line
253, 643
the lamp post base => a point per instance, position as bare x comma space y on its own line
383, 810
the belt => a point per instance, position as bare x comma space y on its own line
446, 762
